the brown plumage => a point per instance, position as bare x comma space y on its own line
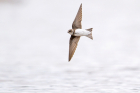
77, 22
74, 39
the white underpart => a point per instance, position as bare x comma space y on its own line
81, 32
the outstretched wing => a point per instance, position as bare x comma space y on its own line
77, 22
73, 45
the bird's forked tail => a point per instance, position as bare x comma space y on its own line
90, 35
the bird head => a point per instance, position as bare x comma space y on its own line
70, 31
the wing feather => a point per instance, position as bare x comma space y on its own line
75, 39
73, 45
77, 22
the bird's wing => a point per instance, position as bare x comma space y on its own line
77, 22
72, 46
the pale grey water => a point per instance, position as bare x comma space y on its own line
34, 47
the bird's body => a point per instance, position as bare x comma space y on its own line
81, 32
76, 32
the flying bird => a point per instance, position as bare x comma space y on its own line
76, 32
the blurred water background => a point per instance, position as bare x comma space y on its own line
34, 46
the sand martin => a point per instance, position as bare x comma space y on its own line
76, 32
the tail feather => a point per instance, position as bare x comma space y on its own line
90, 29
90, 35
